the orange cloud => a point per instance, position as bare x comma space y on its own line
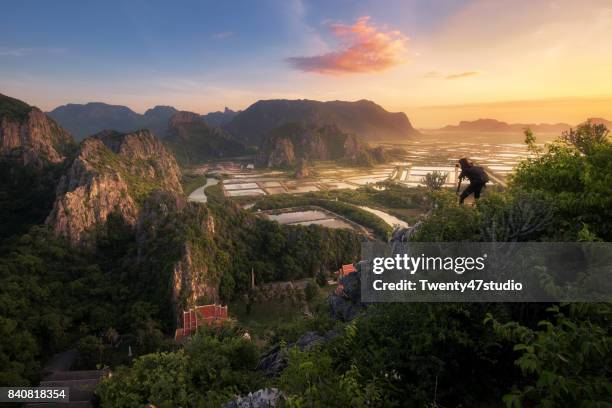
459, 75
363, 48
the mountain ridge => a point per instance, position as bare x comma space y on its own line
364, 118
87, 119
494, 125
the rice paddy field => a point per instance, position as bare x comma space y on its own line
309, 217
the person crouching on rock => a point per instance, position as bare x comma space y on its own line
477, 176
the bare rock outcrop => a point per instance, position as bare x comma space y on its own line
146, 156
190, 279
29, 136
112, 174
264, 398
282, 153
303, 171
274, 360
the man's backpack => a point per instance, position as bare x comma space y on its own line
484, 178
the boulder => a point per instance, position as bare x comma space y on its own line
274, 361
264, 398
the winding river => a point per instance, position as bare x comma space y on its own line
198, 194
388, 218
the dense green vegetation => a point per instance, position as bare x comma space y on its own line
212, 368
21, 187
403, 355
575, 176
52, 296
565, 360
416, 355
279, 312
405, 203
274, 252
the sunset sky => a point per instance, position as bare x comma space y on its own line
440, 61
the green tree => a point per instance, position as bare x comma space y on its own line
91, 352
565, 361
574, 176
214, 366
586, 136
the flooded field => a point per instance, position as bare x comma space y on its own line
309, 217
424, 155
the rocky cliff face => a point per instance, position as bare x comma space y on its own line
112, 174
29, 136
193, 141
182, 118
295, 143
148, 159
281, 153
160, 233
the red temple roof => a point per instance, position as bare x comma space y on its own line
346, 269
198, 316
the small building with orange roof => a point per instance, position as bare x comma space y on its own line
344, 270
198, 316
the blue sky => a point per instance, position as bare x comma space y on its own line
79, 39
204, 55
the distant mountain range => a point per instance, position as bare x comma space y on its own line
494, 125
363, 118
83, 120
219, 118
